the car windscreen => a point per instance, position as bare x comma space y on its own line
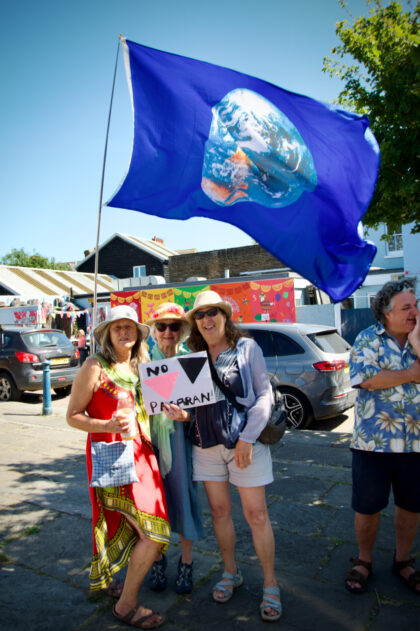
42, 339
330, 342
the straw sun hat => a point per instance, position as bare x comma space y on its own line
170, 311
207, 299
120, 313
167, 311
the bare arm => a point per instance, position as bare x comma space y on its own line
391, 378
81, 395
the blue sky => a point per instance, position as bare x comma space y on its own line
57, 63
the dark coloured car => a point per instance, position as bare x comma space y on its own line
309, 364
22, 351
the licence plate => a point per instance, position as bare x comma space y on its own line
60, 361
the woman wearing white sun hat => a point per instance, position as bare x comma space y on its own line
226, 447
130, 522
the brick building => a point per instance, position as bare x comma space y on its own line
212, 264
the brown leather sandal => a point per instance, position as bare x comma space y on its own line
145, 622
413, 580
358, 577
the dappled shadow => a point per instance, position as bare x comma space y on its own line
329, 423
47, 543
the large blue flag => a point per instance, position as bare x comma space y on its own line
294, 173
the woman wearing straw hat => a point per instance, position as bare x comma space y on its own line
130, 522
226, 447
169, 328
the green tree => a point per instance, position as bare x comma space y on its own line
23, 259
384, 83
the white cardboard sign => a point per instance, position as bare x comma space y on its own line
184, 380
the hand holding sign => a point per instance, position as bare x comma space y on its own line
182, 382
176, 413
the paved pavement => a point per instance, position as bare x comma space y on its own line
45, 540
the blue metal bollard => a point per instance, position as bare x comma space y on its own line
46, 386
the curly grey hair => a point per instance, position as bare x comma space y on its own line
384, 299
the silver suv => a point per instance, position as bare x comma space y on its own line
309, 364
22, 351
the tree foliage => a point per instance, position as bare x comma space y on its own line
384, 83
23, 259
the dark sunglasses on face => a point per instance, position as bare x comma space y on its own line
173, 326
211, 313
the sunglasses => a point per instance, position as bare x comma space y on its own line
211, 313
400, 285
172, 326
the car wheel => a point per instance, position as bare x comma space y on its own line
299, 413
62, 392
8, 390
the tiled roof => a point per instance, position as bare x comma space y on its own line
156, 249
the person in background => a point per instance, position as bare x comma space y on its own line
226, 447
385, 367
168, 329
81, 345
130, 522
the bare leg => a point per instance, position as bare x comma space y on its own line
186, 547
366, 527
406, 526
220, 506
256, 514
142, 557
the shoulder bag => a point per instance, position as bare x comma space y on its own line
113, 463
276, 426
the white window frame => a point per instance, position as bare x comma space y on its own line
394, 239
139, 271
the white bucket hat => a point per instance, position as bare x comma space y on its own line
120, 313
209, 299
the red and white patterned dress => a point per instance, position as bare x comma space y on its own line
143, 501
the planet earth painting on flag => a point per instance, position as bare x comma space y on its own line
255, 153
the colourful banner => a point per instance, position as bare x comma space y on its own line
151, 298
238, 295
185, 296
273, 301
262, 301
128, 298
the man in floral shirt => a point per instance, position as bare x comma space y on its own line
385, 367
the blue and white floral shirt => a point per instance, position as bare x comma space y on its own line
386, 420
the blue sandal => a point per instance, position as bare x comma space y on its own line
228, 580
157, 579
184, 581
268, 602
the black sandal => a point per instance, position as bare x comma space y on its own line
184, 581
157, 579
358, 577
413, 580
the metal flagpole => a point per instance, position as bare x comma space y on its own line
95, 289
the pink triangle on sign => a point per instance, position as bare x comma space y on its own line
163, 384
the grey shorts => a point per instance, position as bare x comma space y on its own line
217, 464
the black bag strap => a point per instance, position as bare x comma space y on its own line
228, 394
